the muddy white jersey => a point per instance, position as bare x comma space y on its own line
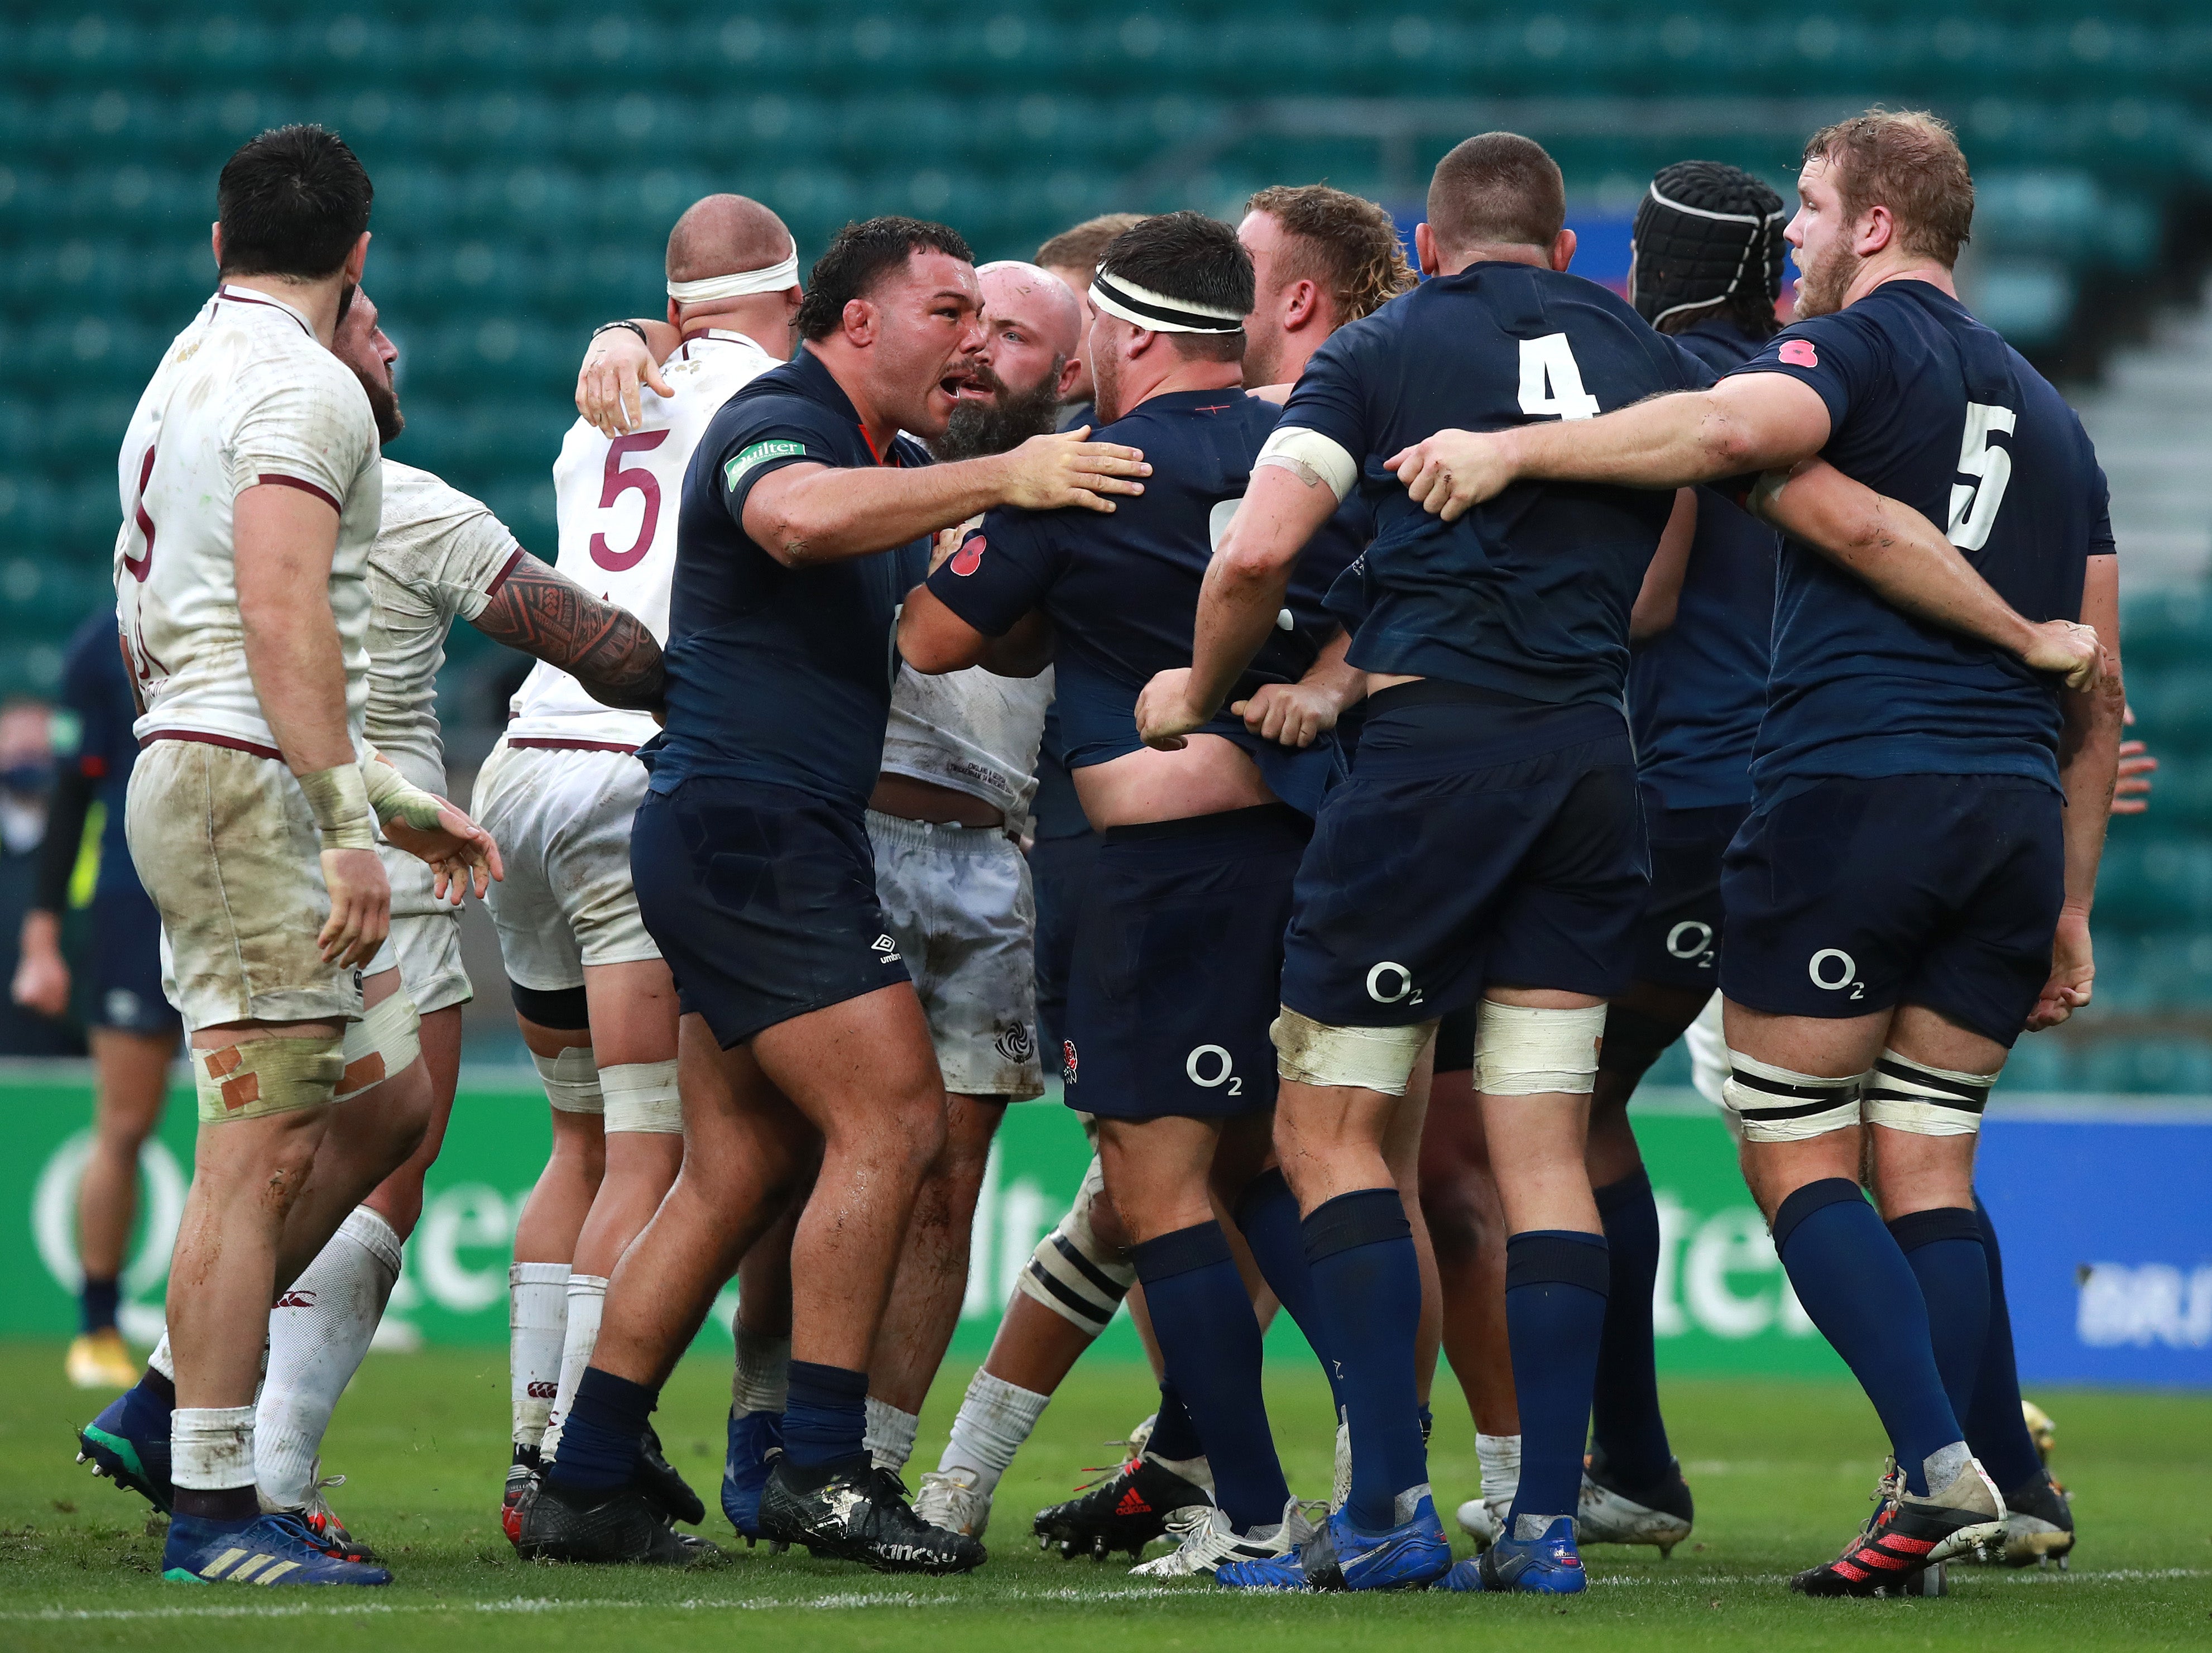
615, 499
438, 556
972, 731
246, 395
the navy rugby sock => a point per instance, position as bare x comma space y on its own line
1367, 1288
1267, 1214
97, 1303
1996, 1431
1625, 1417
1858, 1289
1944, 1248
1211, 1343
1556, 1280
1174, 1436
599, 1450
826, 1419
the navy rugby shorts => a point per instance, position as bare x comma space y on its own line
1060, 872
1678, 939
1178, 962
1474, 844
1846, 896
126, 963
762, 900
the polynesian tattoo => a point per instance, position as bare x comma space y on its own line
605, 648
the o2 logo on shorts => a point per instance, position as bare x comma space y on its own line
1833, 970
1389, 983
1068, 1061
1210, 1067
1692, 939
1014, 1042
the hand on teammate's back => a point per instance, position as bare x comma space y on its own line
461, 854
2073, 968
608, 391
2069, 650
360, 908
1046, 473
1452, 470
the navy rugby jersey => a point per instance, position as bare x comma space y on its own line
1696, 691
1122, 589
1529, 595
1929, 407
778, 674
96, 686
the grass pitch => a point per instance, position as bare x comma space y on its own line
1781, 1473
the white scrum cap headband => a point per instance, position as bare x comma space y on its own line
1155, 311
744, 283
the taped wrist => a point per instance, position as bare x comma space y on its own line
394, 797
642, 1097
1520, 1050
571, 1080
385, 1041
1904, 1094
1075, 1274
1311, 458
1774, 1104
339, 802
265, 1076
1379, 1059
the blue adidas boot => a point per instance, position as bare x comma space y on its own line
1546, 1565
277, 1549
1412, 1555
756, 1439
129, 1443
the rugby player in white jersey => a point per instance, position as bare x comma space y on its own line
439, 556
595, 1001
250, 491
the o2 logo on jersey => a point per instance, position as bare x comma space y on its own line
1210, 1067
1833, 970
968, 558
1798, 353
1389, 983
1692, 939
1068, 1061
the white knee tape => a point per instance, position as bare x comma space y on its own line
1522, 1051
383, 1042
1776, 1105
1382, 1059
571, 1080
642, 1097
1909, 1095
1074, 1274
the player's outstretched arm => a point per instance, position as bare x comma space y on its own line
606, 648
284, 539
1298, 713
619, 366
2088, 770
1911, 565
1238, 605
2131, 796
806, 515
1748, 421
458, 852
933, 639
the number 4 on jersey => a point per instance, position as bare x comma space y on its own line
1550, 383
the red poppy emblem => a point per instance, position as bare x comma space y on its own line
969, 557
1800, 353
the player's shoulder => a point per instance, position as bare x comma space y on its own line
413, 496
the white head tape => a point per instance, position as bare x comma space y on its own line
742, 285
1155, 311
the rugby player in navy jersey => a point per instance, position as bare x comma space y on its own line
1179, 942
805, 516
1913, 887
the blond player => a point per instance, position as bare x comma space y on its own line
250, 481
596, 1003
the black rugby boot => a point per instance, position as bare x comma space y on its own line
623, 1525
853, 1511
1125, 1512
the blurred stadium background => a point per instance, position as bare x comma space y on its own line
530, 157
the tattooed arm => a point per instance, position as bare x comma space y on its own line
605, 648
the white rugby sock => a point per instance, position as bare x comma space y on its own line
889, 1439
319, 1332
211, 1448
760, 1381
995, 1417
587, 1297
162, 1360
536, 1318
1500, 1458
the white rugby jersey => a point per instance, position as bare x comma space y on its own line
617, 499
972, 731
246, 395
438, 556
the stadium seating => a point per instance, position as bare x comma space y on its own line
529, 158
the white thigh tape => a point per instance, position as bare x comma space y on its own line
1074, 1274
1776, 1105
642, 1097
1311, 458
1522, 1051
571, 1080
1908, 1096
1382, 1059
383, 1042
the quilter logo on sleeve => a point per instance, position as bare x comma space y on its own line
759, 453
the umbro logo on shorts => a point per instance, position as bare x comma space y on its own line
887, 949
1014, 1044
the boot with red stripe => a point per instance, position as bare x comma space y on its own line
1907, 1535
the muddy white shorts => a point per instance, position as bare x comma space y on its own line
958, 902
425, 943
